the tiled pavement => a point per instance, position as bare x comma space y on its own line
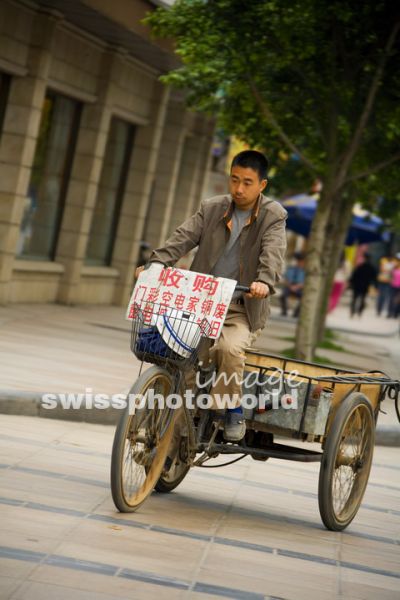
248, 531
65, 349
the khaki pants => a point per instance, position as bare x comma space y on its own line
228, 355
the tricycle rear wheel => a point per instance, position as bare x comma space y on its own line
346, 462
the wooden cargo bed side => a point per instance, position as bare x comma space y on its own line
256, 359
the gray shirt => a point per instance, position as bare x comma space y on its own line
228, 263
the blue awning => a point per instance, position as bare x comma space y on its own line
365, 227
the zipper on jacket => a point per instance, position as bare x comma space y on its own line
240, 257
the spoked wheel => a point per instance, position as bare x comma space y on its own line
177, 464
141, 442
346, 462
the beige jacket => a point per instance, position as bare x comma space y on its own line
262, 246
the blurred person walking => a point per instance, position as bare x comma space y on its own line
394, 301
361, 278
339, 283
386, 266
293, 284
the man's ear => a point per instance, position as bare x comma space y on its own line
263, 184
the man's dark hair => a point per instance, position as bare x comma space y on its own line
252, 159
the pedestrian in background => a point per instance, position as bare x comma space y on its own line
394, 302
339, 283
386, 266
293, 284
363, 276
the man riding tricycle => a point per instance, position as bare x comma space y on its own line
207, 393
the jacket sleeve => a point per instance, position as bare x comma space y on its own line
184, 238
272, 258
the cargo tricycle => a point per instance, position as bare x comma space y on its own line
303, 412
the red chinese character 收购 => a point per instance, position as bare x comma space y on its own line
220, 309
170, 277
202, 282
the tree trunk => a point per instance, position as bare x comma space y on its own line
313, 286
340, 220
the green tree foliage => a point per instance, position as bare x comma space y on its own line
302, 69
317, 77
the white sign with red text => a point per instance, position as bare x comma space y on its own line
159, 289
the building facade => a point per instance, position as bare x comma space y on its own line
96, 155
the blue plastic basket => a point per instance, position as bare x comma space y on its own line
150, 341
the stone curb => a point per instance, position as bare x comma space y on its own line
387, 435
29, 404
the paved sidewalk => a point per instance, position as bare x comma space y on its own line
59, 349
65, 349
250, 531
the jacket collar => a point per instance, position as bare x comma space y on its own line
227, 217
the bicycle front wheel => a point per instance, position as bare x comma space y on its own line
142, 440
177, 464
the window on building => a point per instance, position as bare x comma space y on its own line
50, 175
110, 193
4, 89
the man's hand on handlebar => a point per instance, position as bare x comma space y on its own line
147, 266
258, 290
138, 271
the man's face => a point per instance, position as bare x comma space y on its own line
245, 187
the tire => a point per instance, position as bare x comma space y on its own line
166, 484
346, 462
141, 443
177, 463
